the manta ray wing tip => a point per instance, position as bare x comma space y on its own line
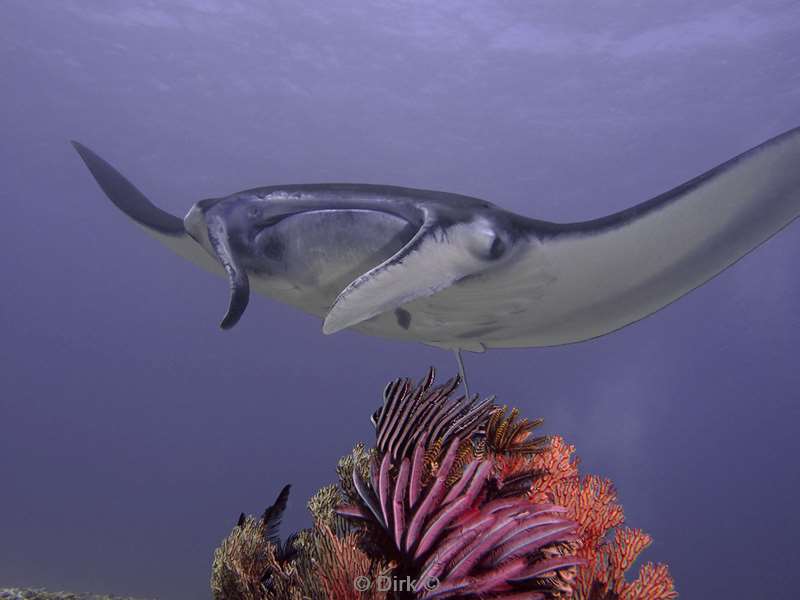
84, 152
88, 155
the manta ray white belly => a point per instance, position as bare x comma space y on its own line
458, 272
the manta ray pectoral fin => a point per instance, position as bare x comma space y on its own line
127, 197
615, 270
435, 258
166, 228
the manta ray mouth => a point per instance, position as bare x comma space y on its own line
237, 276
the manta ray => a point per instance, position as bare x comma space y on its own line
460, 273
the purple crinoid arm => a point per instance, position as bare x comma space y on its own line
367, 497
383, 487
543, 567
433, 497
438, 522
398, 500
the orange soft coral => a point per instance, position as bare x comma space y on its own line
609, 549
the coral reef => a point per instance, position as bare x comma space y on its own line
608, 548
455, 500
38, 594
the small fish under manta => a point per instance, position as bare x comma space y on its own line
460, 273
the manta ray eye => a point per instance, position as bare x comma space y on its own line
487, 243
254, 212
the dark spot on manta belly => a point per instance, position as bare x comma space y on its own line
403, 317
